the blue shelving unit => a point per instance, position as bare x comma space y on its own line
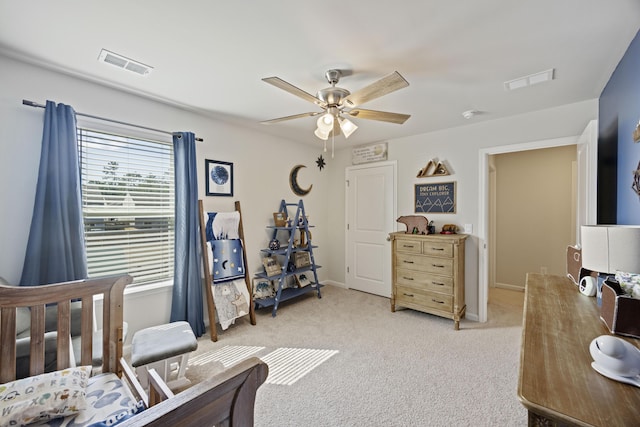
286, 255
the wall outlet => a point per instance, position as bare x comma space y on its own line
543, 270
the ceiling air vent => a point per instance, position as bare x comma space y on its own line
124, 63
531, 79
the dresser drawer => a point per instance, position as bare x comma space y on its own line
430, 282
409, 246
414, 298
437, 248
442, 266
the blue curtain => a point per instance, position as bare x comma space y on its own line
56, 249
187, 283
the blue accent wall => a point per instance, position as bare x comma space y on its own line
618, 155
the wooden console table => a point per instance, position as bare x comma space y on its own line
556, 383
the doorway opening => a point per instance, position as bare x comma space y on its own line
486, 240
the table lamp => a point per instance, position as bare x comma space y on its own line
607, 249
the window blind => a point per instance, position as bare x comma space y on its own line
128, 205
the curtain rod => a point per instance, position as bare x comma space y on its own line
35, 104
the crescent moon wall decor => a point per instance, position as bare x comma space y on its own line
293, 181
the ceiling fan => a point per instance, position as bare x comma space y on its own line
337, 102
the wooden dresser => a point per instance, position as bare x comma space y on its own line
557, 384
428, 274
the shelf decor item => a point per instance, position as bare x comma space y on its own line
280, 219
263, 288
303, 280
271, 266
274, 244
219, 178
302, 259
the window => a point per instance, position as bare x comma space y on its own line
127, 205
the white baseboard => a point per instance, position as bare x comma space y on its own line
334, 283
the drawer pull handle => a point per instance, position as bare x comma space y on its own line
437, 249
407, 262
437, 284
407, 278
408, 246
437, 265
407, 295
436, 301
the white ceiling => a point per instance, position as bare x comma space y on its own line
210, 56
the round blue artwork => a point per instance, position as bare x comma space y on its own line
219, 175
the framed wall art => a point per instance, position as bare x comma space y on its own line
439, 197
219, 178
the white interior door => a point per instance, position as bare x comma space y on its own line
371, 215
587, 175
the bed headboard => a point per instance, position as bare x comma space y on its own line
36, 298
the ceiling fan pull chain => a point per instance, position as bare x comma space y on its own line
333, 143
325, 145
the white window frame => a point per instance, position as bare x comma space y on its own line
129, 214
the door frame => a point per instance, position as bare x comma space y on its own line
347, 205
483, 208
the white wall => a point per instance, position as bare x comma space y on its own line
261, 167
459, 148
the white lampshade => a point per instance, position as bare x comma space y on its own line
347, 126
321, 134
325, 123
611, 248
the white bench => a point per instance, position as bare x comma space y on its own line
166, 349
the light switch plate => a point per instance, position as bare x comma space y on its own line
468, 228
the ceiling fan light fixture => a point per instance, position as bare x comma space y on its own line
325, 123
320, 134
347, 127
334, 99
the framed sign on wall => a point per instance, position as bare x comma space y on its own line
437, 197
219, 178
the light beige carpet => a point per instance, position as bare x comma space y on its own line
396, 369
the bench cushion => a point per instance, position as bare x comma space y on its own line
162, 342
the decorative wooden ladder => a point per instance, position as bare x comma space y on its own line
208, 277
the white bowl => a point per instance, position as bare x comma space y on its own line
615, 355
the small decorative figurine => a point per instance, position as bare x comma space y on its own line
416, 224
274, 244
449, 229
431, 228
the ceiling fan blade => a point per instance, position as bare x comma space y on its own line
279, 83
383, 116
295, 116
385, 85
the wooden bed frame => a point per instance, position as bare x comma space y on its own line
225, 399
